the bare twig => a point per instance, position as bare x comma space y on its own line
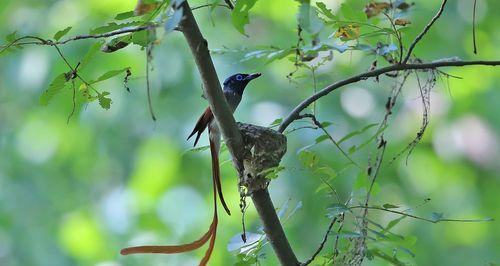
320, 126
295, 113
322, 244
426, 29
422, 218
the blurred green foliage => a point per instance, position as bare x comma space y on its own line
76, 193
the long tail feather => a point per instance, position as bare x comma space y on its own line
216, 175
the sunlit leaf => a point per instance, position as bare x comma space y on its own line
240, 14
325, 11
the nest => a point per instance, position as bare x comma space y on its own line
264, 149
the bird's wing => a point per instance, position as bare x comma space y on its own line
202, 124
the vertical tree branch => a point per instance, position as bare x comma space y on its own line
231, 133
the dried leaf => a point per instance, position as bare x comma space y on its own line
348, 32
375, 8
402, 22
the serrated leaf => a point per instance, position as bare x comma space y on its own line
174, 20
109, 75
61, 33
240, 14
54, 88
325, 11
104, 102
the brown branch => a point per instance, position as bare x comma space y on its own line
295, 113
232, 136
426, 29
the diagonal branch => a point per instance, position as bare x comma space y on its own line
426, 29
232, 135
295, 113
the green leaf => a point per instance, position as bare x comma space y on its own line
61, 33
109, 75
276, 122
239, 16
326, 124
54, 88
125, 15
117, 43
308, 19
272, 173
355, 133
90, 55
394, 222
327, 170
112, 26
11, 37
321, 138
104, 102
390, 206
308, 158
325, 11
174, 20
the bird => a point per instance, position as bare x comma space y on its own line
233, 88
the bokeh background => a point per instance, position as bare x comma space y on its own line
75, 194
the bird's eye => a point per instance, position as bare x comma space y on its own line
239, 77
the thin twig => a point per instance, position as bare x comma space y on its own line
426, 29
422, 218
322, 244
295, 113
320, 126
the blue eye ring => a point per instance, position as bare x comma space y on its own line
239, 77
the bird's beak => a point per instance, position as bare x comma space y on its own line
253, 76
